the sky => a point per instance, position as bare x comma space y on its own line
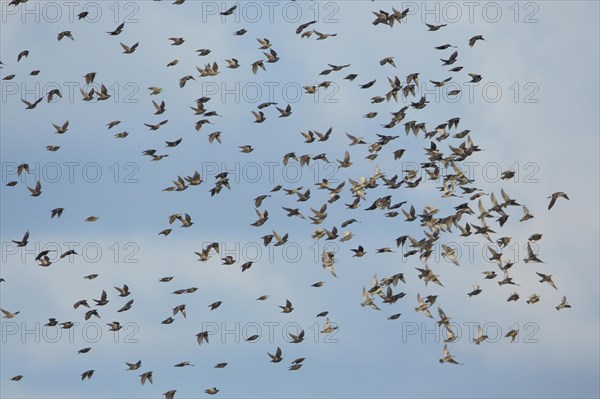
534, 112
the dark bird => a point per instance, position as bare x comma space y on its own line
103, 299
287, 308
304, 26
229, 11
118, 30
64, 34
23, 241
37, 191
433, 28
87, 374
554, 197
474, 40
129, 50
32, 105
276, 358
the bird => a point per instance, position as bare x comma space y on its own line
259, 116
546, 278
531, 257
174, 143
296, 339
257, 64
441, 83
272, 56
433, 28
276, 358
147, 376
288, 308
229, 11
89, 77
563, 304
480, 336
202, 337
66, 33
533, 298
170, 394
126, 307
61, 129
114, 326
555, 196
233, 63
203, 52
128, 49
451, 60
134, 366
323, 36
32, 105
300, 28
285, 112
264, 43
535, 237
475, 78
387, 60
123, 292
24, 53
24, 241
87, 374
513, 297
447, 358
490, 275
160, 108
118, 30
8, 314
177, 41
526, 215
512, 334
329, 327
52, 93
103, 299
474, 40
82, 302
359, 252
37, 190
423, 307
279, 240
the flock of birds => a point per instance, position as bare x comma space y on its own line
483, 214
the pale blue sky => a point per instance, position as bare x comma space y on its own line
553, 143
